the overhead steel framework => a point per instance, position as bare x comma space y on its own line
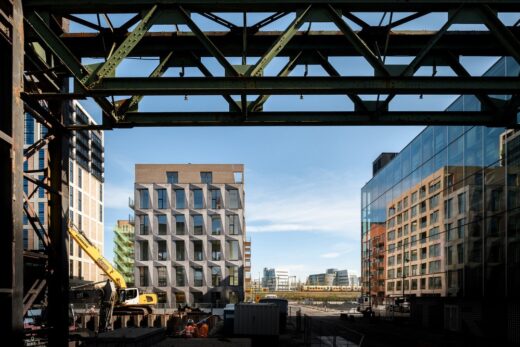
46, 44
246, 87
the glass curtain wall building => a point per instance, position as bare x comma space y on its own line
449, 208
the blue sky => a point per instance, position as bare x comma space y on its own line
302, 183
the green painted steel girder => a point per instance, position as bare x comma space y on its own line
56, 45
124, 49
133, 6
233, 106
157, 72
210, 46
501, 32
313, 118
71, 63
305, 85
285, 71
416, 62
329, 43
279, 44
327, 66
357, 42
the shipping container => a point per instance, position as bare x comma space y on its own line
283, 305
256, 319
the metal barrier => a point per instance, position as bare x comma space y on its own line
319, 333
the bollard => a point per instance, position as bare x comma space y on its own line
116, 323
124, 321
164, 320
151, 320
84, 321
144, 322
96, 322
157, 321
137, 320
170, 324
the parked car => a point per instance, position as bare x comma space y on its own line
391, 307
399, 307
404, 306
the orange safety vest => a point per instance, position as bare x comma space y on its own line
203, 330
190, 330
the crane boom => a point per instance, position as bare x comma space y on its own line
97, 257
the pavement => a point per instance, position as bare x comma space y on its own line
385, 329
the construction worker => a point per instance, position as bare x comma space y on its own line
189, 331
203, 329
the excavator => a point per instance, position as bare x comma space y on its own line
116, 297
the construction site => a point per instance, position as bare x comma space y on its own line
56, 55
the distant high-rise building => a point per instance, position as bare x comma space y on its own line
190, 232
353, 280
276, 280
341, 278
331, 277
86, 182
124, 250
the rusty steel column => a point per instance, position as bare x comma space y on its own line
11, 175
58, 294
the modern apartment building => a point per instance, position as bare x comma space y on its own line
276, 279
415, 248
124, 249
377, 263
190, 232
86, 169
447, 211
331, 277
322, 279
341, 278
354, 280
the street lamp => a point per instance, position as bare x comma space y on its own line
405, 260
370, 276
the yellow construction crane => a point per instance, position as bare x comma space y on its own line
116, 296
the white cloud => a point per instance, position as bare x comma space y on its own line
317, 202
117, 196
330, 255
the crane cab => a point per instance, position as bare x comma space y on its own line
133, 297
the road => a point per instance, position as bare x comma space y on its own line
327, 328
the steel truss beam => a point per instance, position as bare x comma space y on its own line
36, 223
72, 63
108, 68
373, 43
125, 6
330, 43
305, 85
279, 44
139, 119
286, 70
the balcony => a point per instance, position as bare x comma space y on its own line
131, 203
